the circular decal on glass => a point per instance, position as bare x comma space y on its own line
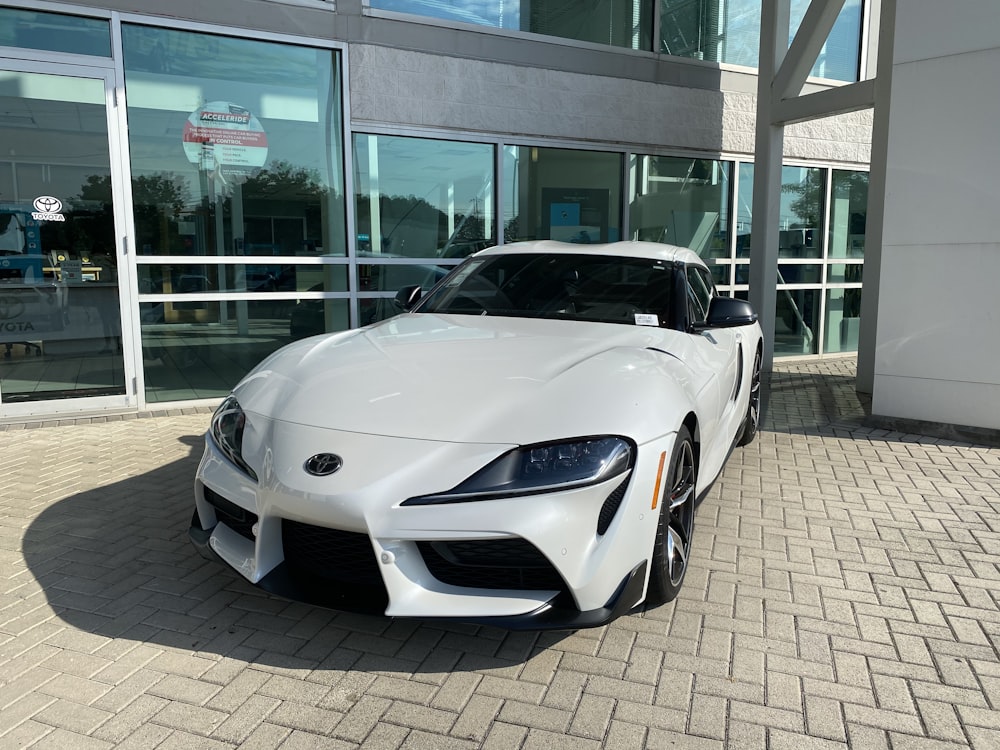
225, 139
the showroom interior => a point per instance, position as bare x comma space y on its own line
236, 175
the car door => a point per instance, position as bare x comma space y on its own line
718, 351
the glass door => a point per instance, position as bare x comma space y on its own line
61, 333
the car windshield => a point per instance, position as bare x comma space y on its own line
601, 288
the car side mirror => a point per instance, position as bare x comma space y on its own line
408, 296
728, 312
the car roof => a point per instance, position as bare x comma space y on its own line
624, 248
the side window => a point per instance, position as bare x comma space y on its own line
699, 294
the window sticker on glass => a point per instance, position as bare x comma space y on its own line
647, 319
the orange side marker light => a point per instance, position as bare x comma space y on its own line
659, 477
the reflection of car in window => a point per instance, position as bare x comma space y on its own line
308, 316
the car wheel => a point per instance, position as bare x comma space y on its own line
752, 421
675, 526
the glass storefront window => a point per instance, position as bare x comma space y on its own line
60, 316
845, 273
55, 32
843, 320
801, 257
375, 309
728, 31
801, 212
391, 277
190, 278
235, 145
561, 194
681, 202
796, 324
422, 198
620, 23
800, 273
236, 150
744, 209
195, 350
848, 213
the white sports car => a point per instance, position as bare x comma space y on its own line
524, 446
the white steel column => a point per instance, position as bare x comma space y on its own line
774, 22
865, 380
782, 72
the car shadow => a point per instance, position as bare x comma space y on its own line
117, 562
801, 401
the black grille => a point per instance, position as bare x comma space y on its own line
239, 520
330, 554
610, 507
491, 564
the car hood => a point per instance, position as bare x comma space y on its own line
458, 378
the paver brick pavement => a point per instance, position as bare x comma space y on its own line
843, 593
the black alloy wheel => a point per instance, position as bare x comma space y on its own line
752, 421
675, 526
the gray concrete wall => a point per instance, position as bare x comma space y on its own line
395, 86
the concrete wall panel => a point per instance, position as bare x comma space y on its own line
932, 28
937, 351
428, 91
943, 151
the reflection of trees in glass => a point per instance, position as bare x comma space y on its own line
283, 191
807, 204
158, 201
89, 229
282, 180
512, 229
852, 303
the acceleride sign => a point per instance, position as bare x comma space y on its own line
225, 137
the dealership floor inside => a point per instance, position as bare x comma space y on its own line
844, 592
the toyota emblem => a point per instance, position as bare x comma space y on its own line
324, 464
10, 308
46, 204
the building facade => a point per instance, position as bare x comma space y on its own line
182, 194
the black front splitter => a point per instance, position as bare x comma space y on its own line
557, 614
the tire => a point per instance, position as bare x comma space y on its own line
751, 423
675, 525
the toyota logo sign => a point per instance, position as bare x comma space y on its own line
46, 204
324, 464
10, 308
47, 208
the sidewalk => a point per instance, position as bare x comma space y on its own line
844, 593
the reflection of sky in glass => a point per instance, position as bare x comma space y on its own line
740, 43
55, 32
424, 167
504, 14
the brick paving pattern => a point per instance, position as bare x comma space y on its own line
844, 593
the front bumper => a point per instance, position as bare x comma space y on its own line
556, 614
580, 578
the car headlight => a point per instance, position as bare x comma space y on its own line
228, 424
545, 467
